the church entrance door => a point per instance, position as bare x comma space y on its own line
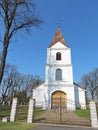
58, 99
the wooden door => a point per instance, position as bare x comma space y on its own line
58, 99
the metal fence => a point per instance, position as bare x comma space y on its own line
22, 112
62, 115
58, 113
5, 111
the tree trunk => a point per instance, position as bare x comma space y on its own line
3, 56
3, 100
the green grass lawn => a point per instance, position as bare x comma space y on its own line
83, 113
22, 112
38, 111
4, 111
16, 126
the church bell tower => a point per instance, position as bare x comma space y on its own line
58, 64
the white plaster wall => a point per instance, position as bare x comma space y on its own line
38, 95
67, 74
43, 93
64, 64
75, 95
82, 98
46, 74
69, 90
58, 47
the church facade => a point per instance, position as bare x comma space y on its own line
59, 86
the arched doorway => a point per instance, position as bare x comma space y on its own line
58, 99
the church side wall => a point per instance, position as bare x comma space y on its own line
75, 95
38, 95
82, 98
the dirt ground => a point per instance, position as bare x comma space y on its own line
62, 117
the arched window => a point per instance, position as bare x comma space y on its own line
58, 56
58, 74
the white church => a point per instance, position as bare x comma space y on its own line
59, 88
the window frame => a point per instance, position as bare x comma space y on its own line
58, 56
58, 75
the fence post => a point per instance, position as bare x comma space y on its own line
13, 109
93, 114
30, 118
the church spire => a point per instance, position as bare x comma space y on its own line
58, 38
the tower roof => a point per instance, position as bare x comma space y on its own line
58, 38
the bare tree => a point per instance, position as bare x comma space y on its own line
15, 84
15, 15
31, 82
9, 82
90, 81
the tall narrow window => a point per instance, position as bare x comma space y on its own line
58, 74
58, 56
